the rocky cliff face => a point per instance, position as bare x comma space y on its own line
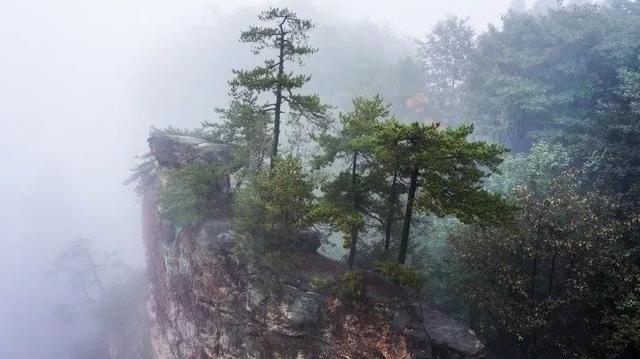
205, 303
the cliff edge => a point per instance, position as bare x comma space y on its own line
205, 302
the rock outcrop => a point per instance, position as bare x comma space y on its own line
207, 303
172, 151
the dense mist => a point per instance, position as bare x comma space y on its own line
82, 83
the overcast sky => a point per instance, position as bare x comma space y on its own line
413, 17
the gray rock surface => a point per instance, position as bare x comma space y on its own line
450, 337
172, 151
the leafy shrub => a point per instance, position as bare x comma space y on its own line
350, 288
560, 274
321, 282
340, 217
536, 170
191, 193
399, 273
273, 209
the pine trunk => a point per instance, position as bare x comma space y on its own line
278, 104
404, 240
354, 194
390, 215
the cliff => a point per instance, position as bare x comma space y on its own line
205, 302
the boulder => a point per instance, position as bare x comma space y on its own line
451, 339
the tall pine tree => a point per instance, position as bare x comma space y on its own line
445, 172
285, 34
349, 197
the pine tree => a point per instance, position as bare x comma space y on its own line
444, 172
245, 125
273, 209
287, 34
349, 197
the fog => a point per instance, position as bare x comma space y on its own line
81, 82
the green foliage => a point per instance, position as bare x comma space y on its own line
349, 197
399, 273
350, 288
558, 278
356, 133
246, 126
551, 281
569, 77
535, 170
202, 133
560, 87
444, 55
447, 165
445, 172
624, 323
191, 193
321, 282
275, 206
285, 34
340, 218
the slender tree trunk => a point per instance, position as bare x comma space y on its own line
535, 269
352, 249
533, 352
96, 275
390, 215
278, 104
354, 194
534, 300
404, 240
552, 273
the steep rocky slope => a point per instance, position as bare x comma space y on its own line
206, 303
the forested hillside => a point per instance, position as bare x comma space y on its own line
499, 179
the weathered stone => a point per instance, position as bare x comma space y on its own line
451, 339
172, 151
215, 232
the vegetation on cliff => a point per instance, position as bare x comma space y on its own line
536, 249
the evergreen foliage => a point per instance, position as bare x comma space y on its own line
285, 34
399, 273
350, 288
349, 199
538, 250
192, 193
275, 207
444, 171
246, 126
